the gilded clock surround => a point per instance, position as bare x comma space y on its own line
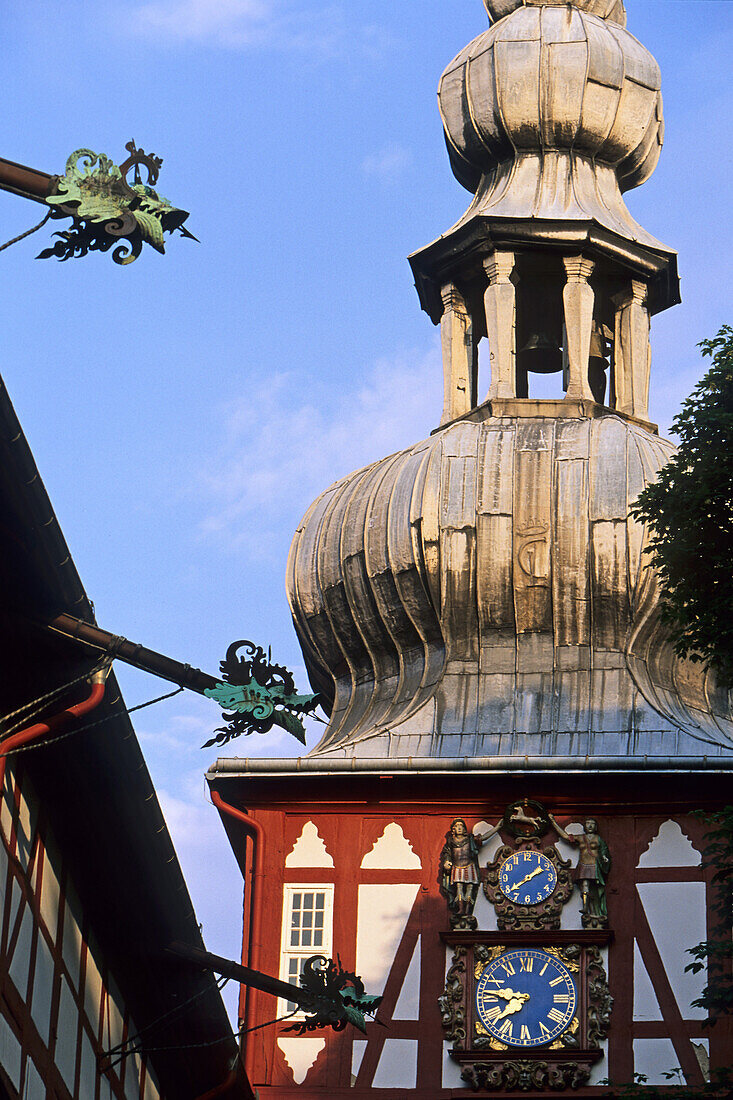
566, 1062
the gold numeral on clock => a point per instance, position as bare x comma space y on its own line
505, 1031
525, 1035
561, 998
507, 966
555, 1015
493, 1014
526, 964
556, 981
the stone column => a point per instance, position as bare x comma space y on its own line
500, 306
456, 333
578, 299
632, 351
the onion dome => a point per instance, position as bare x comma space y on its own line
605, 9
485, 593
551, 113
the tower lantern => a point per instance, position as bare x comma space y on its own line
496, 829
548, 117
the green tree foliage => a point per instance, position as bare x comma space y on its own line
690, 511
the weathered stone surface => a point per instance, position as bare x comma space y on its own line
486, 592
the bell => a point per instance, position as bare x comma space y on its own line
597, 364
540, 354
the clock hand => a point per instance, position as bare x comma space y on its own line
537, 871
516, 1002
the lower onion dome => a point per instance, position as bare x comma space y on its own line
486, 593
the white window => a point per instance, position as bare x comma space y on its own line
307, 930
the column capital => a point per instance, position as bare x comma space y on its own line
578, 268
635, 293
499, 267
452, 298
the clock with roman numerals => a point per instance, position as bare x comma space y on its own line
526, 1010
526, 998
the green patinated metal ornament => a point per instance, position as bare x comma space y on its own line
108, 210
257, 696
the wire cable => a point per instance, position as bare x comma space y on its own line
38, 704
145, 1051
44, 742
27, 233
120, 1048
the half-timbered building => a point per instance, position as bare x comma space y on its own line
496, 830
91, 892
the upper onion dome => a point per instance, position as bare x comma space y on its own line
549, 80
607, 9
485, 593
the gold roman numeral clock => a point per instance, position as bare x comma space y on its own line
527, 1007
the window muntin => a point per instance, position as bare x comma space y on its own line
307, 930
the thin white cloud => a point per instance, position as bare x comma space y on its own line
321, 31
197, 19
273, 465
388, 164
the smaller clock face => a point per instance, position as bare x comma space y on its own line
526, 998
527, 878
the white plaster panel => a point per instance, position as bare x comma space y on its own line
27, 817
10, 1052
397, 1068
309, 849
3, 874
301, 1055
67, 1030
676, 915
392, 851
34, 1087
646, 1005
487, 853
88, 1072
113, 1015
6, 807
451, 1071
654, 1058
42, 989
50, 894
133, 1069
670, 848
408, 1002
20, 965
72, 941
152, 1092
357, 1055
701, 1048
92, 990
383, 914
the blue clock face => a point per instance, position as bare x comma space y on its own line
526, 998
527, 878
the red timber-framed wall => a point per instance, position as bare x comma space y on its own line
377, 841
60, 1008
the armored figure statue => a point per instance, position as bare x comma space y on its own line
459, 872
594, 863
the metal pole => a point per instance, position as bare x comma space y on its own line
148, 660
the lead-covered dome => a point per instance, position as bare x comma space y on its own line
486, 593
549, 81
607, 9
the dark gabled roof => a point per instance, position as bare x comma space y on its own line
97, 793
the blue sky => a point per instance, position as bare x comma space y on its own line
185, 410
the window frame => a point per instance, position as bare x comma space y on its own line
287, 951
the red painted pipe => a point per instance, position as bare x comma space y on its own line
257, 833
40, 729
